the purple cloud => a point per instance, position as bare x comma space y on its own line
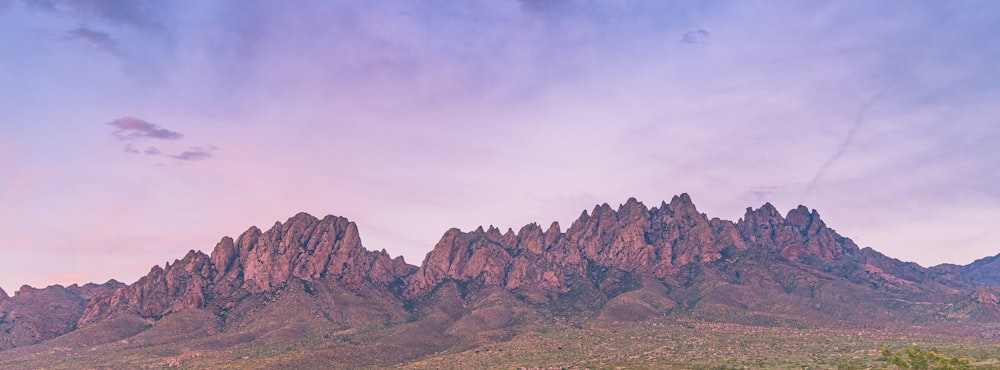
131, 128
540, 6
96, 38
118, 12
695, 37
194, 154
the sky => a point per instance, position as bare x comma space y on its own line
134, 131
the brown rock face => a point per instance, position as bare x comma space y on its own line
653, 241
983, 272
302, 248
987, 296
164, 290
33, 315
633, 238
628, 263
530, 259
308, 249
801, 234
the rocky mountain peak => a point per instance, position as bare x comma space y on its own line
632, 238
632, 209
553, 229
303, 247
799, 234
982, 272
766, 214
682, 202
224, 254
804, 219
33, 315
625, 261
494, 234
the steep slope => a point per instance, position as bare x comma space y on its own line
633, 239
309, 286
326, 252
799, 235
984, 272
33, 315
765, 268
304, 278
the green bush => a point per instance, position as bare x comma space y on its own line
916, 357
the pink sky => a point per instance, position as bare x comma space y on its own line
411, 118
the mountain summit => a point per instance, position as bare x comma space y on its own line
310, 280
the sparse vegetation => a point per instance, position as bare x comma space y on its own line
915, 357
691, 343
675, 341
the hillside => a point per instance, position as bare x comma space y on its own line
306, 293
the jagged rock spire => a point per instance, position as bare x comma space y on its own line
303, 248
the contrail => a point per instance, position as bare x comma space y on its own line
859, 120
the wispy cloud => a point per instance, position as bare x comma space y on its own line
695, 37
99, 39
540, 7
859, 120
117, 12
129, 148
134, 130
194, 154
131, 128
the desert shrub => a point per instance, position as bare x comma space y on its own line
851, 365
915, 357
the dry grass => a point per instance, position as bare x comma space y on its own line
663, 342
690, 343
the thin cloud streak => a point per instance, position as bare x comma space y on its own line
117, 12
131, 128
859, 121
99, 39
194, 154
416, 117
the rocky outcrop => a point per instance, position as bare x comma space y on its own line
33, 315
308, 249
983, 272
531, 259
798, 235
632, 238
631, 262
305, 248
163, 290
982, 304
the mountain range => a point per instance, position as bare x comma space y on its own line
307, 286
